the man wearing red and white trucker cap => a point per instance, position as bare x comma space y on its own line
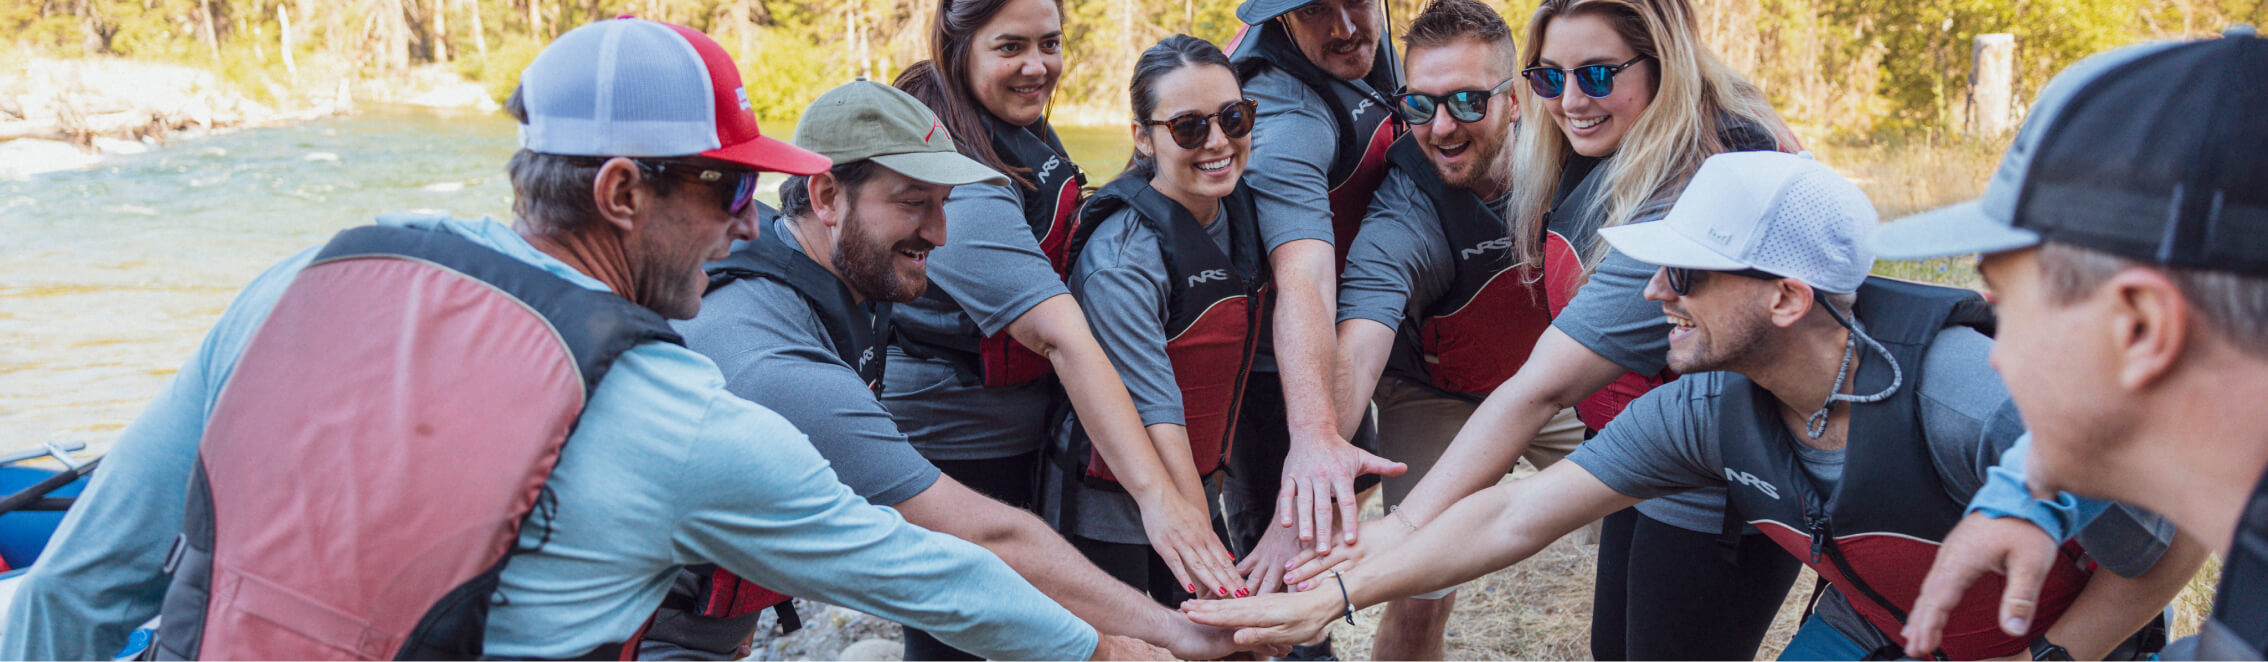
338, 433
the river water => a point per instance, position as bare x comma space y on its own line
109, 277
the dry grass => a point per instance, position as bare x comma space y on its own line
1540, 609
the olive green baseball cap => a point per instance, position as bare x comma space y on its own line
863, 120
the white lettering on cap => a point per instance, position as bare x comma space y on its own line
742, 93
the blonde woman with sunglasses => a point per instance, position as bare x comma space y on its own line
1625, 103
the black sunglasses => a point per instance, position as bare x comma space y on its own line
737, 187
1465, 106
1681, 280
1191, 129
1597, 80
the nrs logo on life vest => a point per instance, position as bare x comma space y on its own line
1049, 166
1356, 114
1745, 478
1483, 248
1207, 276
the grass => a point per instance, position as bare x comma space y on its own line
1540, 608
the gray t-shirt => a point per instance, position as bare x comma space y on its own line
1399, 266
1120, 281
1293, 143
774, 352
1667, 442
987, 275
1611, 316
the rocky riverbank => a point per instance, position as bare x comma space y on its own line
62, 114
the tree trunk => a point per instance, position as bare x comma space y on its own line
479, 33
1992, 83
393, 35
205, 27
738, 17
439, 43
283, 22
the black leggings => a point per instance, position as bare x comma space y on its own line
1679, 599
1256, 462
1012, 480
1137, 565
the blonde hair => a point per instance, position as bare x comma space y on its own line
1696, 97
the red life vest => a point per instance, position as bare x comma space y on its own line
1365, 120
319, 523
1051, 211
1875, 536
1480, 332
1571, 233
1212, 316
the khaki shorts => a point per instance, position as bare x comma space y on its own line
1416, 424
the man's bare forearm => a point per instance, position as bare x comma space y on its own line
2112, 607
1364, 346
1488, 531
1559, 373
1306, 299
1057, 569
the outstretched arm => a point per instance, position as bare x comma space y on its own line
1559, 373
1485, 532
1155, 471
2112, 607
1364, 346
1056, 568
1321, 467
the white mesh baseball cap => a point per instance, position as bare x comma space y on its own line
1769, 211
639, 88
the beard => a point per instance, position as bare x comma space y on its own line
1491, 164
868, 266
666, 272
1728, 347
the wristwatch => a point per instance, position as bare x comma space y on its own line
2042, 649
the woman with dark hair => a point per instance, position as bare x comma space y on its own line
970, 371
1168, 266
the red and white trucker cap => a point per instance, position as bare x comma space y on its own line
639, 88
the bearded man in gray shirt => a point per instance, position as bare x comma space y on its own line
1854, 417
1434, 312
786, 325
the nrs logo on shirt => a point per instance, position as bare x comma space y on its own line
1745, 478
1483, 248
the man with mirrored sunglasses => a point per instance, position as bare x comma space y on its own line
1432, 313
1850, 417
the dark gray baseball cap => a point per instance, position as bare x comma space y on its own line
1255, 12
2156, 152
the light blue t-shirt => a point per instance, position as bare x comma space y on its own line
2005, 495
665, 469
